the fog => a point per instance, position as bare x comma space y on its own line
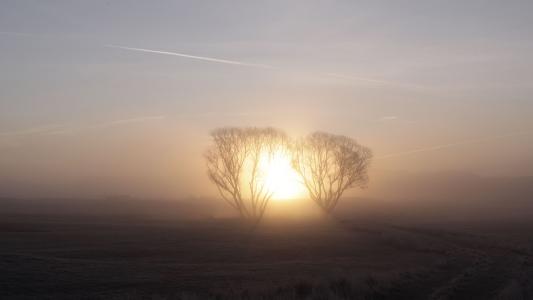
429, 88
116, 184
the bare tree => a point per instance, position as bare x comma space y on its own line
234, 166
328, 165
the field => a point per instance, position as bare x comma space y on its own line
81, 257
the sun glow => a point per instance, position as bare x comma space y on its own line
279, 177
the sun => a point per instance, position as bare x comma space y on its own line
279, 177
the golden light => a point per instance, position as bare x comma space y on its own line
279, 177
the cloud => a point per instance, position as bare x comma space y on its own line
455, 144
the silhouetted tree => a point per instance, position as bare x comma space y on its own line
328, 165
233, 165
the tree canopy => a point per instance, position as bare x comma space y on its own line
329, 164
233, 166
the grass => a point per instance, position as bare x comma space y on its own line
217, 259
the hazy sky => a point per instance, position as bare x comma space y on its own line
118, 97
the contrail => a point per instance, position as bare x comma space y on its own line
136, 120
269, 67
232, 62
373, 81
125, 121
13, 33
34, 130
450, 145
204, 58
53, 129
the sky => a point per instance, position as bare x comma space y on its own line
118, 97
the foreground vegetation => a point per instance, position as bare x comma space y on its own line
83, 258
